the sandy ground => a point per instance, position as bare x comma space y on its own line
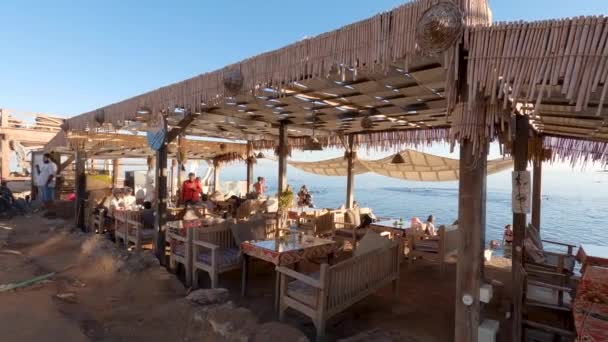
113, 306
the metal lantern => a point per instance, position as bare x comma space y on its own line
439, 28
64, 126
233, 80
100, 117
367, 122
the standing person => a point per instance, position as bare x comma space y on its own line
191, 190
260, 186
48, 175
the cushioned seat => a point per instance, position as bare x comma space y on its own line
303, 292
225, 256
545, 295
180, 249
146, 233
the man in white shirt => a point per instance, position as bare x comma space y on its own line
128, 199
47, 178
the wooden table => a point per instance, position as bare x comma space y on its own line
284, 252
592, 255
390, 227
590, 307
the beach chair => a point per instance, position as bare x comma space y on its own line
545, 310
334, 289
214, 251
554, 264
435, 248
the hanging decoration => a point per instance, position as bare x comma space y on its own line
439, 28
521, 192
157, 131
233, 81
100, 116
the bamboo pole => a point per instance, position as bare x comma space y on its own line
350, 172
161, 200
282, 186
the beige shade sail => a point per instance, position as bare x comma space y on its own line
417, 166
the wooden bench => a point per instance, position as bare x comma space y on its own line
338, 287
180, 248
435, 248
136, 233
120, 227
214, 251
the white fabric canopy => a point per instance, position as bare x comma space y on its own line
418, 166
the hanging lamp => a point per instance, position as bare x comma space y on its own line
312, 143
398, 159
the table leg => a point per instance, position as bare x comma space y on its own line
244, 274
330, 258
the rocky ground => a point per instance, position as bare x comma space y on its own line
98, 292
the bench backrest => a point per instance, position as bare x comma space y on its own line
451, 238
219, 234
354, 279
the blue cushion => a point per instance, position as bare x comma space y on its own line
225, 256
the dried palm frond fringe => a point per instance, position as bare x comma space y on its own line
576, 151
376, 141
526, 61
369, 45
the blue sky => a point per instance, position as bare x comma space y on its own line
67, 57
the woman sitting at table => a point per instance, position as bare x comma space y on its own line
116, 202
129, 199
303, 194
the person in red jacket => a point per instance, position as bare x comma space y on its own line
191, 190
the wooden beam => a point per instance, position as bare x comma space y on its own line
350, 171
161, 200
80, 188
216, 176
537, 186
115, 172
283, 149
471, 223
520, 158
181, 127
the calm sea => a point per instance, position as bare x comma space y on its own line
574, 201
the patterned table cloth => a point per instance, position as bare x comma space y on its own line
288, 252
592, 255
591, 306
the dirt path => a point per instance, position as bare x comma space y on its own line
98, 304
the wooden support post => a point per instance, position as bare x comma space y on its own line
216, 176
250, 160
249, 174
5, 146
350, 175
283, 149
80, 188
520, 161
471, 224
537, 185
115, 172
161, 200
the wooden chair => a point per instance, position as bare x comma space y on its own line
349, 229
214, 251
337, 287
435, 248
180, 250
120, 227
545, 308
136, 232
554, 264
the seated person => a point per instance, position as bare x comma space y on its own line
430, 226
207, 203
302, 196
129, 199
8, 201
116, 202
148, 216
